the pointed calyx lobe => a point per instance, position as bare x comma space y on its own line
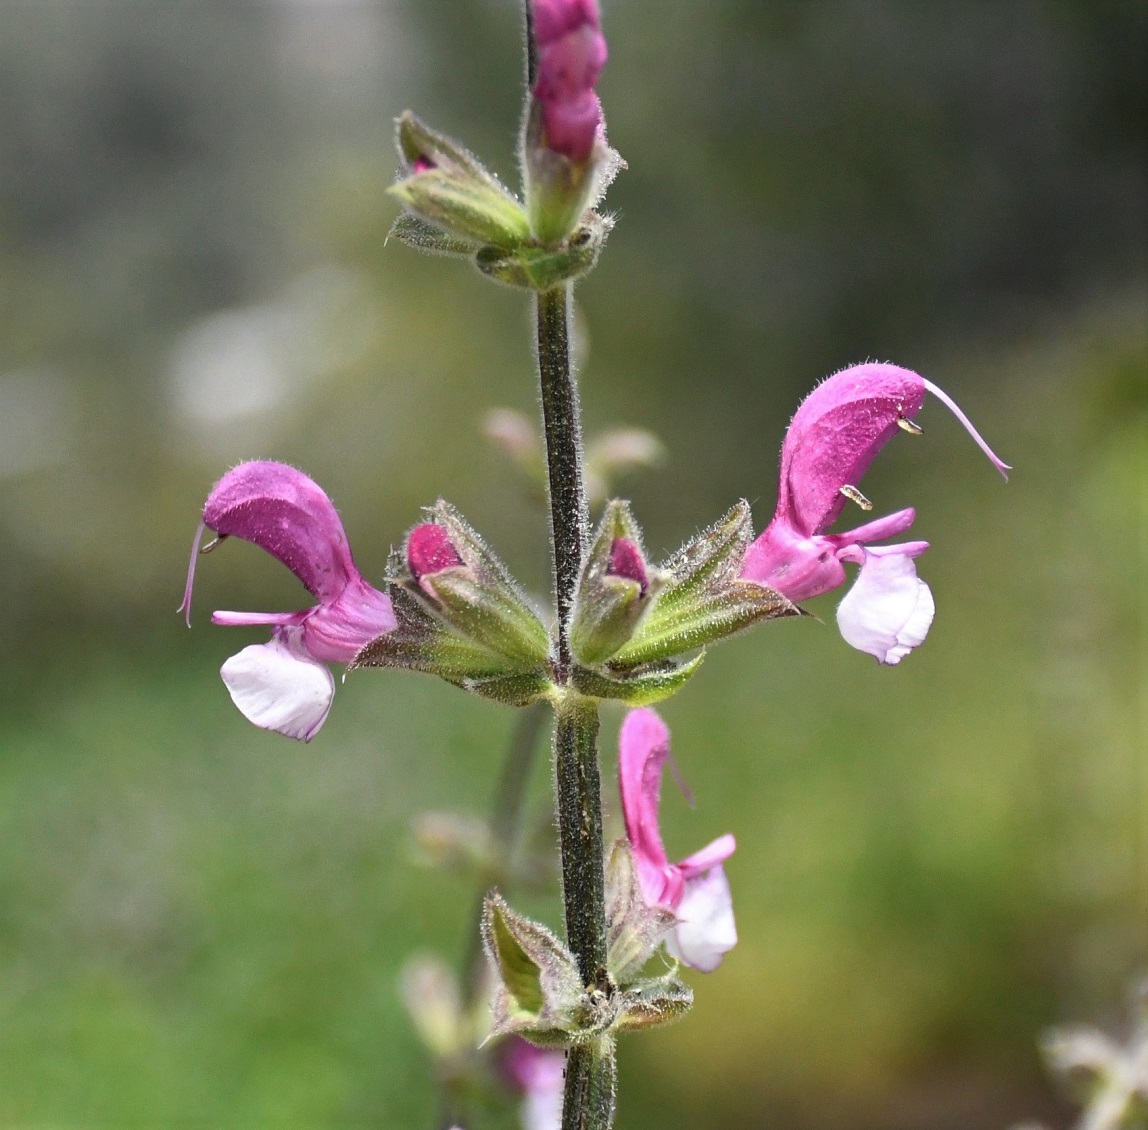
835, 435
283, 685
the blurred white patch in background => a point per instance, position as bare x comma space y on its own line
38, 414
239, 367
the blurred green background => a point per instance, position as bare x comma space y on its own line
203, 924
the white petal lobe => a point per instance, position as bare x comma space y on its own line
278, 689
889, 609
706, 930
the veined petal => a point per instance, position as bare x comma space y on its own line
889, 609
277, 686
794, 565
706, 930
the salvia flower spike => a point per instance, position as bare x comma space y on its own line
284, 685
696, 889
835, 435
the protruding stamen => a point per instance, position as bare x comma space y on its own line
185, 604
854, 495
909, 426
945, 399
213, 543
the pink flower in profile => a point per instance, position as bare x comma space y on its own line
571, 55
835, 435
284, 685
538, 1075
696, 889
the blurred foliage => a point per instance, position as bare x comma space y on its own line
202, 921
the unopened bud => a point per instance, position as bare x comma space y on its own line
449, 188
613, 589
453, 841
429, 551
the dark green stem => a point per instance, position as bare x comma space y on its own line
591, 1082
580, 834
569, 515
590, 1070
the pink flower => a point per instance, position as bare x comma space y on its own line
538, 1074
696, 889
835, 435
284, 685
571, 55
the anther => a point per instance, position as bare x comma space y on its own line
854, 495
213, 543
910, 427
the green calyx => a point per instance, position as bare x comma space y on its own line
540, 996
701, 597
610, 599
469, 623
454, 206
449, 190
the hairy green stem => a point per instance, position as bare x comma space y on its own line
580, 834
591, 1081
590, 1070
569, 514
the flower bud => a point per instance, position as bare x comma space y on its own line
462, 616
448, 188
565, 156
614, 589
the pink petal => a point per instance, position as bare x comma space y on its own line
643, 746
429, 550
337, 632
706, 930
709, 856
278, 687
259, 619
835, 435
890, 526
287, 514
797, 566
889, 609
626, 561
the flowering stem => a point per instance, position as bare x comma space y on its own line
591, 1076
580, 833
569, 515
590, 1070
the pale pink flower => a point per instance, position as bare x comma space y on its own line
284, 685
538, 1075
835, 435
696, 889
